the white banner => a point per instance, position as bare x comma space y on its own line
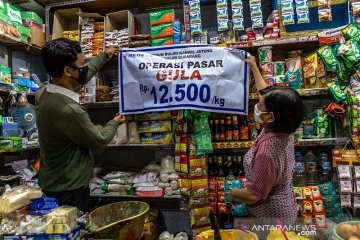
200, 77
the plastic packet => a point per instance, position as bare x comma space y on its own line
194, 5
257, 22
356, 201
316, 193
287, 6
185, 186
345, 200
221, 3
330, 200
345, 186
344, 171
195, 16
307, 219
323, 126
310, 126
223, 208
357, 171
352, 31
200, 216
294, 78
134, 136
174, 185
204, 144
324, 4
288, 18
222, 12
199, 188
267, 69
350, 51
327, 56
293, 64
320, 221
318, 206
223, 25
255, 9
237, 12
355, 8
201, 124
303, 17
307, 193
236, 2
310, 65
198, 166
307, 207
338, 94
167, 164
117, 175
302, 5
325, 15
298, 193
238, 24
196, 28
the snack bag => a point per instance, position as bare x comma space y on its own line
198, 166
318, 207
338, 94
350, 51
307, 193
327, 56
307, 207
316, 193
310, 126
200, 216
352, 31
294, 78
320, 221
310, 65
326, 189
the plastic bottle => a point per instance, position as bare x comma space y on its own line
311, 169
299, 179
324, 168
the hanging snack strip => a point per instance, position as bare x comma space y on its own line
324, 10
237, 14
256, 14
287, 9
222, 15
195, 17
302, 11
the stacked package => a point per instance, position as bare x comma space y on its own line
72, 35
140, 40
162, 27
118, 181
92, 37
117, 38
271, 29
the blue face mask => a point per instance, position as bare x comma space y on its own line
83, 72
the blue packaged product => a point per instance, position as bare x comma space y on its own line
222, 12
236, 184
302, 5
195, 16
288, 18
40, 212
194, 5
195, 28
221, 3
223, 25
44, 199
326, 189
237, 12
255, 9
43, 205
177, 32
257, 22
303, 17
238, 24
236, 2
287, 6
330, 201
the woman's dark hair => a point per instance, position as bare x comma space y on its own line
287, 106
59, 53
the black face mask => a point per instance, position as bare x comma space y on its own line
83, 72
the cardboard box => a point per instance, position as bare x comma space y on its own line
65, 20
96, 16
120, 20
37, 36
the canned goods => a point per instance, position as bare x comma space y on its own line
267, 69
294, 54
279, 68
280, 79
265, 53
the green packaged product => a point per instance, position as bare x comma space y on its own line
202, 124
204, 144
162, 31
23, 30
338, 94
162, 41
323, 126
14, 14
352, 31
310, 126
294, 78
327, 56
350, 51
162, 17
31, 16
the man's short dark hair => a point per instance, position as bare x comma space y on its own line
288, 108
59, 53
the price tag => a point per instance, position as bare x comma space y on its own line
199, 77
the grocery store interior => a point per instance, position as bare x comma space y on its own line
177, 168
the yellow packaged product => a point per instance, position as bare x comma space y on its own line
155, 126
156, 138
154, 116
61, 220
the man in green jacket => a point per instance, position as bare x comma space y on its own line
66, 133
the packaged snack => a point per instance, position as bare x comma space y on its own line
323, 126
194, 5
267, 69
223, 208
345, 200
236, 184
356, 201
344, 171
222, 12
280, 79
356, 8
352, 31
270, 81
326, 189
255, 9
162, 17
212, 196
303, 17
200, 216
221, 3
198, 167
338, 94
238, 24
237, 12
156, 138
302, 5
199, 188
294, 53
325, 15
288, 18
307, 219
316, 193
185, 186
324, 4
294, 78
307, 193
318, 206
310, 65
257, 21
320, 221
221, 197
236, 2
220, 186
161, 31
223, 25
307, 207
357, 185
196, 28
212, 185
329, 200
327, 56
195, 17
199, 202
345, 186
192, 145
298, 193
293, 64
265, 54
350, 51
203, 142
310, 126
279, 68
155, 126
356, 171
287, 6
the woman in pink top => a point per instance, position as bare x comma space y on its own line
269, 164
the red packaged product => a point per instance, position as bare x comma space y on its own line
212, 185
221, 197
223, 208
220, 186
213, 197
318, 206
307, 207
307, 219
213, 208
316, 193
320, 221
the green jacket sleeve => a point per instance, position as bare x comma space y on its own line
83, 132
95, 64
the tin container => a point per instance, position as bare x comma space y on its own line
265, 53
267, 69
279, 68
